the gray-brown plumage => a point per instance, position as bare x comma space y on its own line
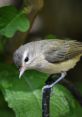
49, 56
63, 51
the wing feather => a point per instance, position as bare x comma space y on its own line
65, 50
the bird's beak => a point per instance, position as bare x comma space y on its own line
21, 70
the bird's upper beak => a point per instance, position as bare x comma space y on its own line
21, 70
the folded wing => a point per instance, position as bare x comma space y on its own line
66, 49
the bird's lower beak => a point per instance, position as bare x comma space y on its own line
21, 70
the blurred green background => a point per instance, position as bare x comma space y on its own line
39, 19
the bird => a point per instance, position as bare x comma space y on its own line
51, 56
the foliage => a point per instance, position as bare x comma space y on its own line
50, 36
12, 20
24, 96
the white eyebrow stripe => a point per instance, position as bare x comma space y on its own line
24, 55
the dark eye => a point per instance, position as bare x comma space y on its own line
26, 59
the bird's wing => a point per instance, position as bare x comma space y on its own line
62, 50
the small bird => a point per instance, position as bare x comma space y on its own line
49, 56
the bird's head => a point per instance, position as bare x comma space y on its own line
25, 58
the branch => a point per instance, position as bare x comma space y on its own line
72, 89
46, 102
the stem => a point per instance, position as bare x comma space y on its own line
73, 90
46, 102
47, 91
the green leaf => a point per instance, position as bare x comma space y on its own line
4, 110
24, 95
50, 36
12, 20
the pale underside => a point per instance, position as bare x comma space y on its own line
53, 68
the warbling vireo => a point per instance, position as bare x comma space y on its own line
49, 56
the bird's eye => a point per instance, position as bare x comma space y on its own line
26, 59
